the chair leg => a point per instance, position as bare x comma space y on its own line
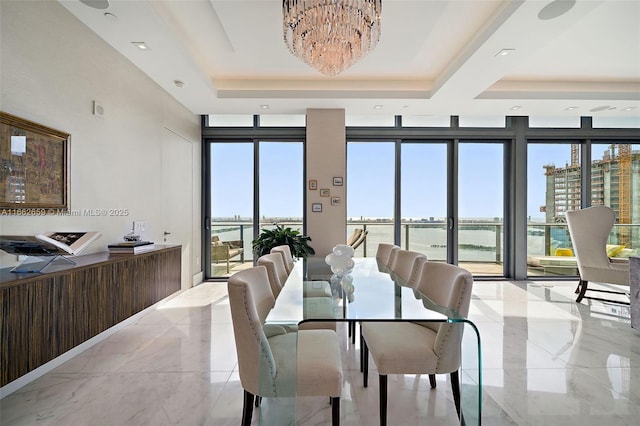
432, 380
362, 347
581, 290
383, 400
258, 400
455, 389
365, 363
335, 411
247, 409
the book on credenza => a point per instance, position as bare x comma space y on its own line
48, 244
131, 247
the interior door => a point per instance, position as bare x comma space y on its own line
177, 193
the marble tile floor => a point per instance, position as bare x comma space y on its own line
546, 361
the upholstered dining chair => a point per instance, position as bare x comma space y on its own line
406, 270
314, 292
589, 229
275, 270
316, 288
392, 256
384, 251
407, 266
422, 347
285, 251
278, 276
266, 360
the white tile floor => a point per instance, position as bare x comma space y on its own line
546, 361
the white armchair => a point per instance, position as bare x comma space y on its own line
589, 229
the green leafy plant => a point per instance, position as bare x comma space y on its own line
270, 238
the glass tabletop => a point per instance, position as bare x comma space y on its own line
370, 292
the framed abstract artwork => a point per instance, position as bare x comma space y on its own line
34, 174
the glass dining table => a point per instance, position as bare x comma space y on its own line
370, 292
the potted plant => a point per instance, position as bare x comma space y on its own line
270, 238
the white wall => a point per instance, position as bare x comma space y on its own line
52, 69
326, 159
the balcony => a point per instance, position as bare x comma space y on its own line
480, 247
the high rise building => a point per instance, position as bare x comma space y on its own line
615, 182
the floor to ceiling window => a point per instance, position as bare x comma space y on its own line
554, 182
423, 177
231, 221
433, 186
240, 173
481, 207
615, 182
370, 192
425, 196
281, 184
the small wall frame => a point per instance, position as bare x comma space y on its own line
316, 207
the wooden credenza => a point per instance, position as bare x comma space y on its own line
44, 315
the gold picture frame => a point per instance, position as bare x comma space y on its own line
34, 162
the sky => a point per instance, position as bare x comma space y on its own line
370, 179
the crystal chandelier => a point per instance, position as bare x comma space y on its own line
331, 35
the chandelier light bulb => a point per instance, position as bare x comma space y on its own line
331, 35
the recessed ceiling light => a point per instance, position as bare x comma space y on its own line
377, 106
555, 8
629, 108
571, 108
96, 4
264, 106
110, 16
600, 108
140, 45
178, 83
505, 52
515, 107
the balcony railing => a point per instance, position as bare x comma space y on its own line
480, 244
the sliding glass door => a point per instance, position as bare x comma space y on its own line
480, 222
251, 185
554, 186
423, 205
408, 193
371, 192
231, 184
